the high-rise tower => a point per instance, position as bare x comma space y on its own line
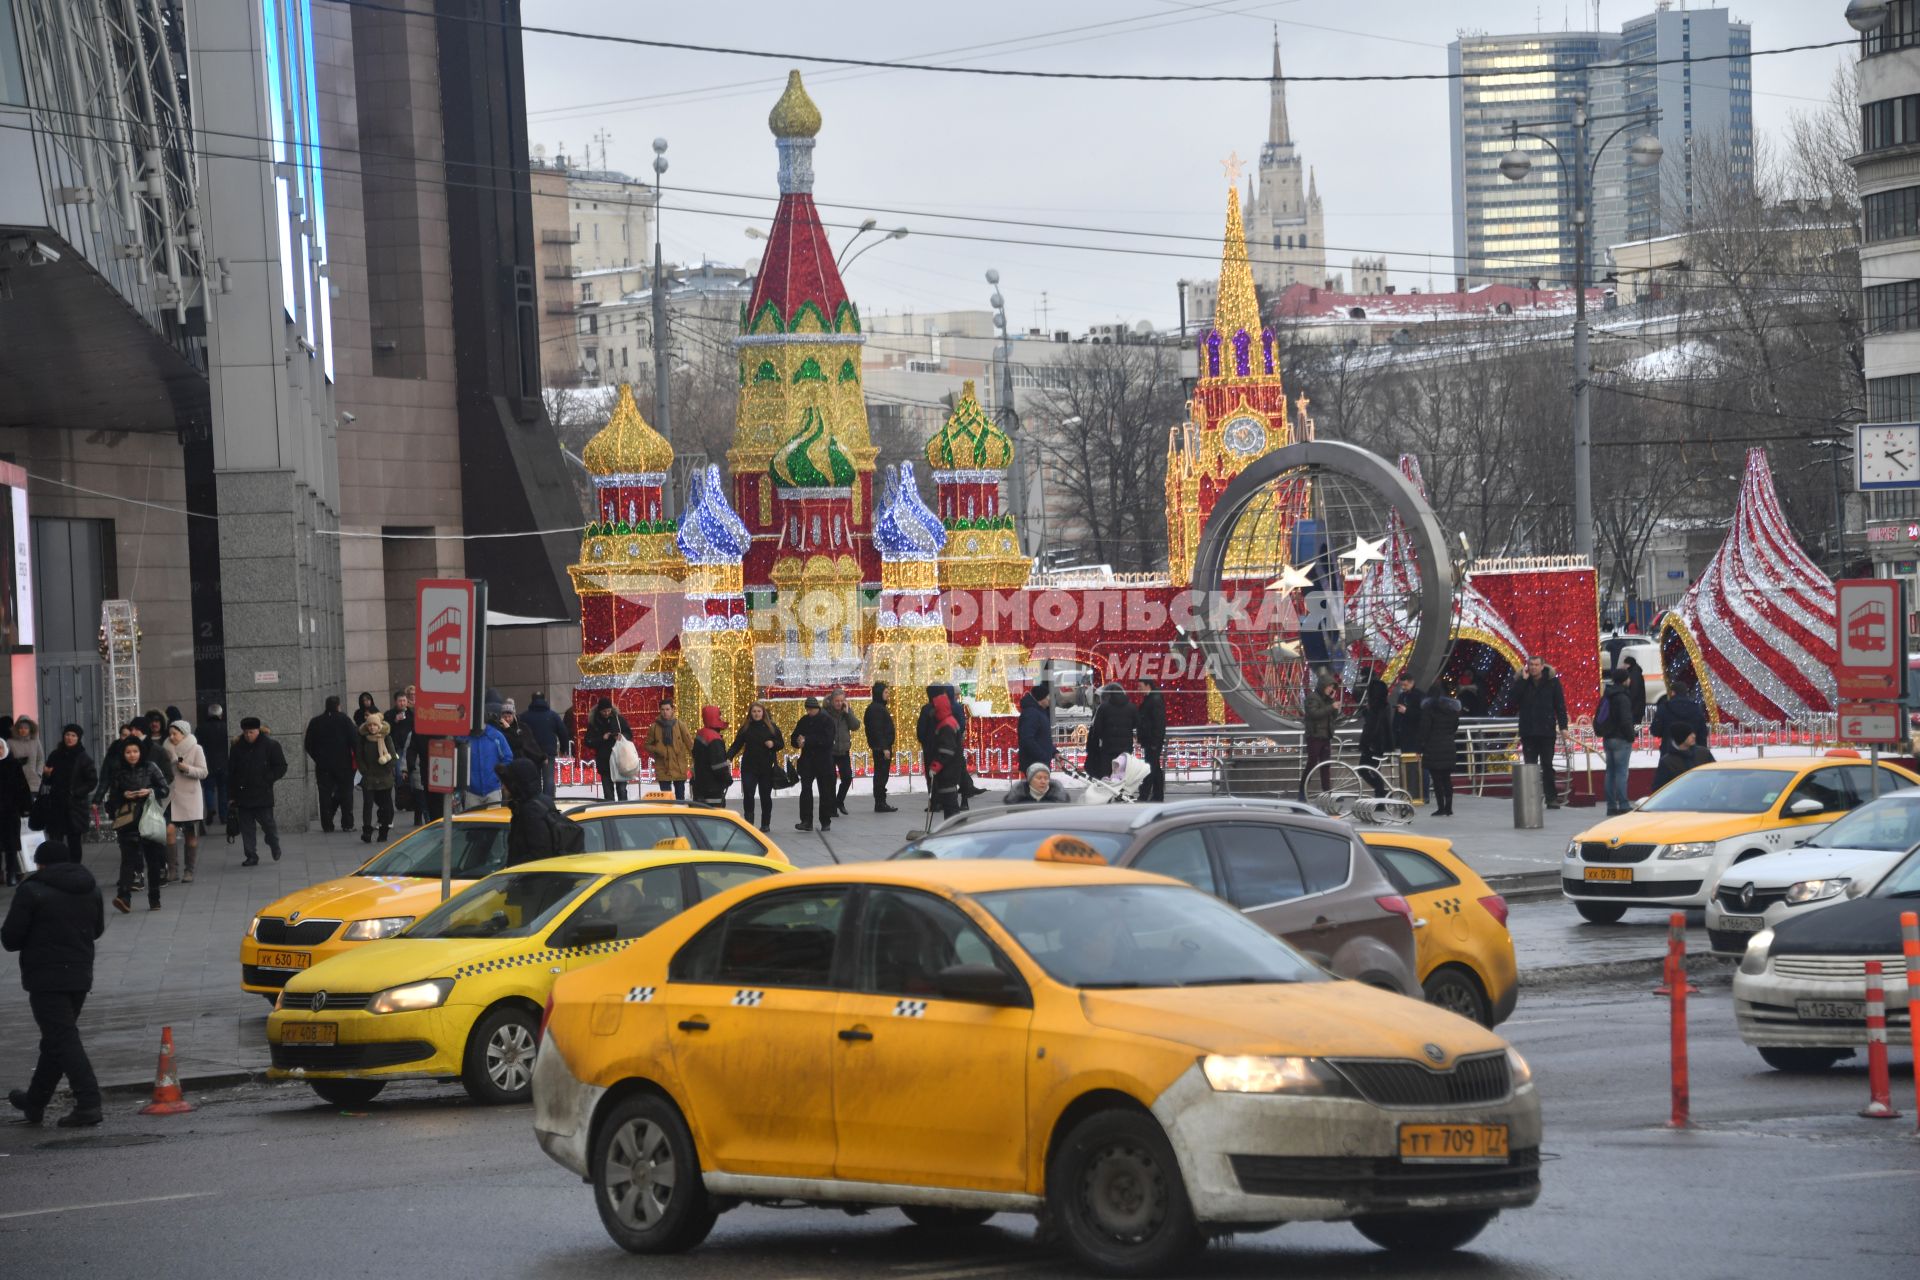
1283, 220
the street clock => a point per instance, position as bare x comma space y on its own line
1887, 455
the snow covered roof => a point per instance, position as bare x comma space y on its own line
1313, 305
1691, 358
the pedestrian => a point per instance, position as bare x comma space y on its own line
878, 725
334, 747
1111, 734
1541, 710
606, 728
1677, 710
1036, 727
212, 737
1439, 723
187, 801
758, 742
813, 737
1683, 752
16, 798
523, 740
712, 773
132, 782
1473, 703
1039, 787
26, 743
1151, 728
947, 763
672, 752
366, 705
1636, 688
1613, 718
406, 783
1406, 715
1318, 714
923, 724
69, 778
53, 922
535, 829
548, 731
254, 764
1376, 729
486, 750
376, 775
155, 729
844, 727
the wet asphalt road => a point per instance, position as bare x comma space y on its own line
1779, 1179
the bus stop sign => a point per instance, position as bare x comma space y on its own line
450, 664
1870, 636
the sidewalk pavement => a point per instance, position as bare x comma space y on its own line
179, 966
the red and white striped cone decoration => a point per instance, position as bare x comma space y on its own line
1879, 1089
1910, 947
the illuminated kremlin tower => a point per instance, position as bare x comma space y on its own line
1238, 411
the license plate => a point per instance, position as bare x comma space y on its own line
1453, 1143
283, 959
1610, 873
309, 1032
1742, 924
1832, 1010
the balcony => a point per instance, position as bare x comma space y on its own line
550, 236
562, 307
564, 272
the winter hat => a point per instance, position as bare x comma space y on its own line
75, 730
1042, 691
812, 704
251, 722
508, 706
216, 711
520, 778
186, 730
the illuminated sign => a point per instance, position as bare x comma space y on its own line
299, 182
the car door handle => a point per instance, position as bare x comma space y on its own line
693, 1024
1420, 924
1321, 922
856, 1033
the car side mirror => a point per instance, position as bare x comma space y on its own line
586, 933
978, 983
1803, 806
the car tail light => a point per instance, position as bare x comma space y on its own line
1496, 907
546, 1016
1398, 905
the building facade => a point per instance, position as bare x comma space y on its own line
1284, 227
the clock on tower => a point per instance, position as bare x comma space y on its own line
1887, 455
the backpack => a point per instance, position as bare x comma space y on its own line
568, 837
1604, 711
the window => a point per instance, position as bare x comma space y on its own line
586, 291
906, 939
1899, 31
1324, 858
1860, 781
1181, 854
779, 940
717, 835
515, 904
633, 831
1892, 215
1007, 842
715, 878
1826, 786
479, 848
637, 904
1893, 308
1412, 871
1259, 867
1891, 122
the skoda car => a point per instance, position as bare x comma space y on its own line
960, 1038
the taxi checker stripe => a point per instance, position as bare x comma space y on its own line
747, 997
640, 995
910, 1008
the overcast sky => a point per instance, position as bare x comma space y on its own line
903, 146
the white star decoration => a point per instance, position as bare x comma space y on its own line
1363, 551
1292, 578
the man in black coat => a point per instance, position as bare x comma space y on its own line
813, 736
547, 728
333, 745
1036, 727
1407, 699
1150, 725
55, 917
1111, 734
257, 762
880, 731
536, 829
1542, 711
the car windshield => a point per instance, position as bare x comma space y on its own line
1903, 881
516, 904
1005, 842
1890, 825
1143, 935
479, 848
1720, 791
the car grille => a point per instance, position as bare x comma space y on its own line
349, 1057
336, 1000
1729, 898
1601, 851
1377, 1183
275, 932
254, 976
1836, 968
1390, 1082
1631, 889
1729, 941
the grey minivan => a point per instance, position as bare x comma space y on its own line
1303, 878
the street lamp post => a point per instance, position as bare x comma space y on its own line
1010, 418
898, 233
662, 374
1515, 165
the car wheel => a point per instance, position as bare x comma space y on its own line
1115, 1192
936, 1219
499, 1061
646, 1179
1600, 912
348, 1093
1423, 1233
1803, 1059
1458, 991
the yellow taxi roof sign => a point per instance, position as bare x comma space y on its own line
656, 795
1065, 848
673, 842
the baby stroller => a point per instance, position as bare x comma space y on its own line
1122, 786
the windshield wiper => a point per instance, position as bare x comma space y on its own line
1905, 893
1241, 981
1124, 986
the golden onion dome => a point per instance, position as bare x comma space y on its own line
969, 441
626, 445
794, 116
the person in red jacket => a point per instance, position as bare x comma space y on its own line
947, 762
712, 773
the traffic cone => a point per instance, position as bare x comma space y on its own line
167, 1098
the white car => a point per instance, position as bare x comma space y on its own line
1844, 861
1643, 650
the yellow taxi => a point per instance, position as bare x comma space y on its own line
402, 882
1460, 937
458, 994
1120, 1050
1674, 846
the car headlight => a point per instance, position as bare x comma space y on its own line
415, 995
1755, 960
1517, 1066
280, 998
1573, 850
372, 930
1253, 1074
1687, 849
253, 930
1817, 890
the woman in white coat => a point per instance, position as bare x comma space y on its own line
186, 806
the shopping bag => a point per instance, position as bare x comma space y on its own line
153, 822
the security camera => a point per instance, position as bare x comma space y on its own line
347, 417
45, 253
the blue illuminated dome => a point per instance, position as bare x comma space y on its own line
905, 528
710, 532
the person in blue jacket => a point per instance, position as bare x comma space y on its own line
1036, 727
486, 749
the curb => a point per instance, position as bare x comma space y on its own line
1699, 964
212, 1080
1526, 886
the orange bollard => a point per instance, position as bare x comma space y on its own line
167, 1098
1677, 989
1910, 946
1879, 1089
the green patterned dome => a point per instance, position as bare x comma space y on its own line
969, 441
813, 458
